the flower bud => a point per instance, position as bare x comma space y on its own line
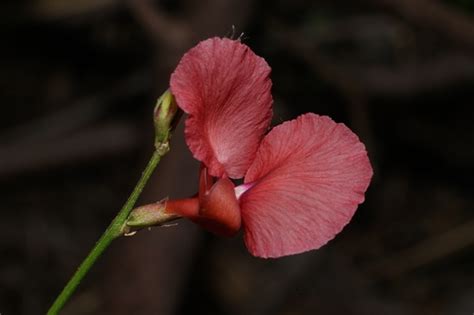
166, 116
150, 215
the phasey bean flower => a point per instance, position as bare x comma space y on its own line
303, 180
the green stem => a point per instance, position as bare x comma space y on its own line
114, 230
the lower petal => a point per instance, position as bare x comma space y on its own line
220, 211
310, 175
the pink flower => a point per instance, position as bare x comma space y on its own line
303, 180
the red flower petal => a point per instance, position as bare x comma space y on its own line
220, 211
215, 208
310, 175
225, 88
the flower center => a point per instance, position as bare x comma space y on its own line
239, 190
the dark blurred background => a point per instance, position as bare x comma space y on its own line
79, 80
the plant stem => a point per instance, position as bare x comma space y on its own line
114, 230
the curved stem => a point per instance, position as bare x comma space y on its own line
114, 230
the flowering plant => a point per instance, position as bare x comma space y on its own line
302, 180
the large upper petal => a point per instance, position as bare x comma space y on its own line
225, 89
309, 176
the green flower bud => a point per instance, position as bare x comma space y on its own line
154, 214
166, 116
